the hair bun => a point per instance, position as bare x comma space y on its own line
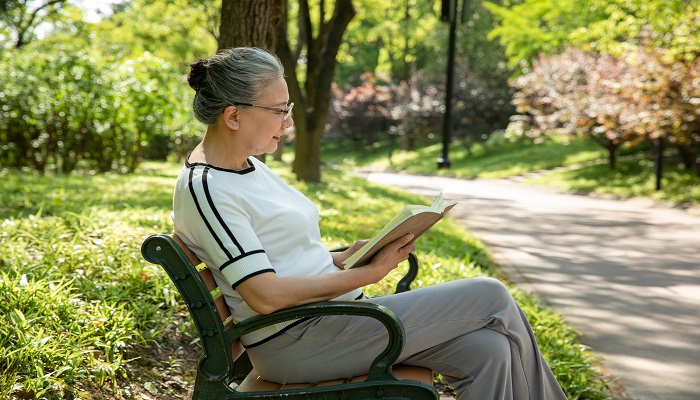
197, 77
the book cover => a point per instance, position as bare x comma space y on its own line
415, 219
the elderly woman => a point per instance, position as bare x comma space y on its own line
260, 238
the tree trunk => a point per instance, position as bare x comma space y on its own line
612, 154
251, 23
314, 100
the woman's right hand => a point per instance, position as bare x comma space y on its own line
391, 255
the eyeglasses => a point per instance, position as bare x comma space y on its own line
286, 112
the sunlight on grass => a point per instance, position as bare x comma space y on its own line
631, 178
572, 164
495, 159
81, 302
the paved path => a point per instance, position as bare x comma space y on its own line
625, 273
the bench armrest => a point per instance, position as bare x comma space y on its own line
404, 284
380, 368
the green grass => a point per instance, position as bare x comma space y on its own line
577, 165
88, 318
497, 158
631, 178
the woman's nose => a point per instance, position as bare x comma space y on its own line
289, 122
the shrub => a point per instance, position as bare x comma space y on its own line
646, 95
69, 107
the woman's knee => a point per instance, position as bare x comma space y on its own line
494, 289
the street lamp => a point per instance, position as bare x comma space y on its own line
449, 14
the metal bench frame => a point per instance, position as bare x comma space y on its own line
224, 364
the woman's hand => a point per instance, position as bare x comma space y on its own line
391, 255
339, 257
266, 292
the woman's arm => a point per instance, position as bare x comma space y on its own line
266, 293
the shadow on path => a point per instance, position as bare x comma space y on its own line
625, 274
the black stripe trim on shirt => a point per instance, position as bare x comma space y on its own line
219, 218
229, 262
281, 331
361, 296
238, 282
201, 214
248, 170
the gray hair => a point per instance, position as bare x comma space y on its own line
236, 75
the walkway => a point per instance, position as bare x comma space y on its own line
625, 273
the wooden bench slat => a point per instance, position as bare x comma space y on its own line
254, 383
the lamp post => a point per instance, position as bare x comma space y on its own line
449, 14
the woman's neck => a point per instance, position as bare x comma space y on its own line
218, 148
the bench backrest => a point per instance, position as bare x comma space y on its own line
204, 300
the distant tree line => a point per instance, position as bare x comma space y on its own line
627, 72
106, 96
617, 102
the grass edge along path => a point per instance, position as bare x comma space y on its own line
571, 164
88, 318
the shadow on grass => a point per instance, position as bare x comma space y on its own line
631, 178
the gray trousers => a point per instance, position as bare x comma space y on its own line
471, 331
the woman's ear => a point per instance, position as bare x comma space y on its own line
231, 115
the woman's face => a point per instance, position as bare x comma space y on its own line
266, 126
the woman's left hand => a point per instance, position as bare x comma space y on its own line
340, 256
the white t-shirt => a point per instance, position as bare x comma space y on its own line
243, 223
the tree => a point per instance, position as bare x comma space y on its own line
531, 27
393, 39
665, 93
316, 48
578, 93
21, 17
177, 31
251, 23
628, 25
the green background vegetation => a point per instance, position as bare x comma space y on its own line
82, 304
90, 112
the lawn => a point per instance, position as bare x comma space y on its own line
88, 318
571, 164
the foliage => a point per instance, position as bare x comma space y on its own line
482, 105
664, 95
575, 93
19, 19
76, 107
392, 40
412, 112
615, 102
671, 25
91, 303
175, 31
530, 27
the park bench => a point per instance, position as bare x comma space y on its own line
224, 370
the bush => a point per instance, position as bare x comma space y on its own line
646, 95
414, 111
69, 108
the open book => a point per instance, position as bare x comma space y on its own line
413, 219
